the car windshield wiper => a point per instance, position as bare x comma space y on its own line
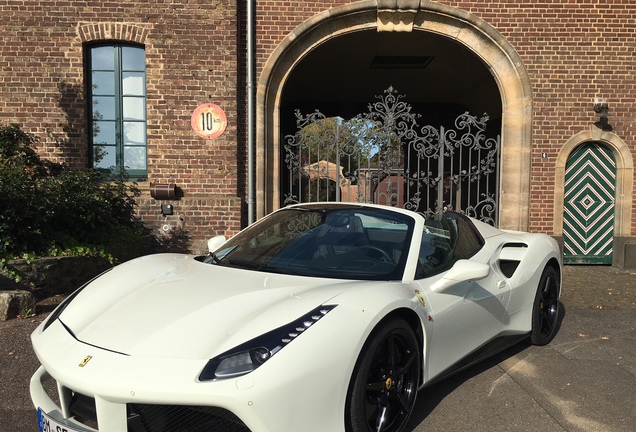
244, 264
211, 259
281, 270
265, 267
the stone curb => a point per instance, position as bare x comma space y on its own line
44, 278
16, 302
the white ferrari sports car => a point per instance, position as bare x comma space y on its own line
320, 317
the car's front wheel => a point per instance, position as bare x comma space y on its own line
545, 312
384, 384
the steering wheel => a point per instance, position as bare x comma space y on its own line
383, 254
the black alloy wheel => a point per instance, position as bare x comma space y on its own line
545, 312
384, 384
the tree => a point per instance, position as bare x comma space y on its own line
50, 210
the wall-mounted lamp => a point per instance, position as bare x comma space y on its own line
163, 191
601, 109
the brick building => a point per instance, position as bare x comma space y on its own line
555, 78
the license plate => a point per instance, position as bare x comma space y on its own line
47, 424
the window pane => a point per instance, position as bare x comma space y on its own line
134, 83
117, 94
103, 58
104, 132
103, 108
134, 108
134, 133
104, 157
135, 158
103, 83
133, 59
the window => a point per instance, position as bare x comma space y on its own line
117, 109
327, 241
448, 237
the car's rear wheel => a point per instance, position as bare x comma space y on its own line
384, 384
545, 312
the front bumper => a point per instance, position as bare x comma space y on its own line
79, 412
114, 392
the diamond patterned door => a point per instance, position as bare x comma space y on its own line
588, 219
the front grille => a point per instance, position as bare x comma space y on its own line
83, 409
179, 418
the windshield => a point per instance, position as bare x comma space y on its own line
334, 241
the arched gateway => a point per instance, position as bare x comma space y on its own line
471, 33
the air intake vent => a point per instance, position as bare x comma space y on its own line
172, 418
508, 268
510, 257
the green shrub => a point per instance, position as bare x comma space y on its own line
50, 210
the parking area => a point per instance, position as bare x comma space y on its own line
583, 381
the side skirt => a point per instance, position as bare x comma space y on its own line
489, 349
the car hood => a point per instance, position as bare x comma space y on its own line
171, 305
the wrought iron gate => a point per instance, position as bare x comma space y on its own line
383, 156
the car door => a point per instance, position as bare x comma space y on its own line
465, 313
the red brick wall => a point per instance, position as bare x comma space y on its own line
192, 58
573, 50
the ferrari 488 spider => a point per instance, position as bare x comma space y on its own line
320, 317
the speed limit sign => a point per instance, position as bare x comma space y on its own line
208, 121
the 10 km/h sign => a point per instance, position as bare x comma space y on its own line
208, 121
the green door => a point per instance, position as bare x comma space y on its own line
588, 219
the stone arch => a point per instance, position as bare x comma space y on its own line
624, 178
471, 32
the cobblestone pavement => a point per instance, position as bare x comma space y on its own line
582, 382
598, 287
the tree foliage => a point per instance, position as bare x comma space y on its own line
348, 143
47, 209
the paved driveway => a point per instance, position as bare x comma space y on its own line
585, 380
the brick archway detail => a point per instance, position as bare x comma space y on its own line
471, 32
89, 32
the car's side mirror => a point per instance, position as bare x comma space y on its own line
215, 242
462, 271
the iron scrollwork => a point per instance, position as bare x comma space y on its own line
383, 156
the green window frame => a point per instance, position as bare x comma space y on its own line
116, 94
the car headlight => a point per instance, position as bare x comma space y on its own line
249, 356
58, 310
